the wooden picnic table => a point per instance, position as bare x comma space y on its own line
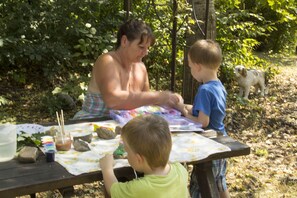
17, 179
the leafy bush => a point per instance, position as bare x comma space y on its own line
238, 32
55, 43
3, 101
52, 36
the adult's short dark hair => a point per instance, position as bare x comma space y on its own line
135, 29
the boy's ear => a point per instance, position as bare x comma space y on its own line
198, 66
140, 158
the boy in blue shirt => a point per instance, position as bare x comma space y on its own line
209, 107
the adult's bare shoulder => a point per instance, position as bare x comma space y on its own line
106, 65
105, 60
102, 70
106, 74
142, 65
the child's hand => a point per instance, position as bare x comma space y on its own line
106, 162
106, 165
182, 108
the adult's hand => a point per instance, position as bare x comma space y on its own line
169, 99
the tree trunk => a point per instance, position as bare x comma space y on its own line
205, 28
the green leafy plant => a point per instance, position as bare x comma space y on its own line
25, 139
3, 101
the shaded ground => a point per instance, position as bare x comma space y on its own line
268, 125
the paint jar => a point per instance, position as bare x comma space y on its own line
63, 142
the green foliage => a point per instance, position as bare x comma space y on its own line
25, 50
282, 17
3, 101
54, 40
55, 43
25, 139
237, 41
56, 100
159, 14
246, 26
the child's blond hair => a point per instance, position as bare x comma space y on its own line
149, 136
207, 53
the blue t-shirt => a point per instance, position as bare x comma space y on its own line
211, 100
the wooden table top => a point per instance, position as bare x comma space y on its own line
18, 179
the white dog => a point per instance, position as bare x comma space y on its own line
247, 78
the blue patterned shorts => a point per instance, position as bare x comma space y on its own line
219, 168
93, 107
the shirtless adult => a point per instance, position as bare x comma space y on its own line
119, 78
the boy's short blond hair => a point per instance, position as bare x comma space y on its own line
149, 136
207, 53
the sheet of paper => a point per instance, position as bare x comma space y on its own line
187, 147
172, 116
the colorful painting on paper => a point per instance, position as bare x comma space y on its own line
176, 121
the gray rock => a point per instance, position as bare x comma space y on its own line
80, 145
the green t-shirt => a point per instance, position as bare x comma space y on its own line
154, 186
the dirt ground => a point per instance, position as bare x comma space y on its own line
268, 125
270, 129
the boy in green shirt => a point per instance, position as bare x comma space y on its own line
147, 141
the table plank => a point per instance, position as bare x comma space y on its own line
18, 179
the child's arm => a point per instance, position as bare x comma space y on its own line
202, 118
185, 109
106, 165
189, 108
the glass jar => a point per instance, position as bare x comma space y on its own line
63, 142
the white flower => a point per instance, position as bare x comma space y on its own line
93, 31
88, 25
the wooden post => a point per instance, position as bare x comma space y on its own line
127, 8
204, 15
173, 43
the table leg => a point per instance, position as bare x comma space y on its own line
207, 185
33, 195
67, 191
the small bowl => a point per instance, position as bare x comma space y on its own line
83, 136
